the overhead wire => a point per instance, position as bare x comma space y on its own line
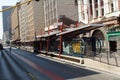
16, 5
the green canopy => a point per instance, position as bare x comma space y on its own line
113, 34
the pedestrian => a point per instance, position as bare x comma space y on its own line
1, 48
10, 48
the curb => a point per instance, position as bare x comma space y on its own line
95, 65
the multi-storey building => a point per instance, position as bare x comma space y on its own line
15, 26
31, 21
6, 25
22, 22
60, 11
57, 13
106, 12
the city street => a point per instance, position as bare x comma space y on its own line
22, 65
60, 40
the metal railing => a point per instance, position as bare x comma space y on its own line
108, 57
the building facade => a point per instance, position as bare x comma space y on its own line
15, 26
59, 15
41, 21
102, 11
6, 25
31, 22
60, 11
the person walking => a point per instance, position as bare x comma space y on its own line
1, 48
10, 48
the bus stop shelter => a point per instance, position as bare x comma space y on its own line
71, 33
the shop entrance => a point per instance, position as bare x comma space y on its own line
113, 46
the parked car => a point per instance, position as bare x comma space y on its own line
1, 46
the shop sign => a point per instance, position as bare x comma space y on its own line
114, 38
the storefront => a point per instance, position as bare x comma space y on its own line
113, 33
114, 40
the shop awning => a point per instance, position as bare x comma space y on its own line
113, 36
82, 29
116, 33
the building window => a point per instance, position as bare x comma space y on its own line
83, 15
96, 13
102, 3
112, 7
90, 1
102, 11
76, 3
96, 1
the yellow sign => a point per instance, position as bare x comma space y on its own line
76, 47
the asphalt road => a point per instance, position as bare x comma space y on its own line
23, 65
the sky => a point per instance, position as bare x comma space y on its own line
5, 3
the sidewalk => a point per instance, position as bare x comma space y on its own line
86, 62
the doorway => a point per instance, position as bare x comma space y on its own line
113, 46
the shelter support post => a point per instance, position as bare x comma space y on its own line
61, 40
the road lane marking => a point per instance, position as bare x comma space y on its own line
39, 68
